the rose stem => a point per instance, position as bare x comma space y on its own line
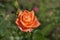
24, 36
31, 36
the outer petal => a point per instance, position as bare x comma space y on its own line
32, 12
17, 21
25, 11
36, 23
25, 29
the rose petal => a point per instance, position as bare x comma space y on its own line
26, 29
32, 12
25, 11
17, 21
36, 23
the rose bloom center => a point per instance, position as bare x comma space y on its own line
27, 18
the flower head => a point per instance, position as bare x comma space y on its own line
27, 21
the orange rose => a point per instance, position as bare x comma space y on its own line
27, 21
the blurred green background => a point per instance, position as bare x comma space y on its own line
48, 13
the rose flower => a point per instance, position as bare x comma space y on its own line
27, 21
